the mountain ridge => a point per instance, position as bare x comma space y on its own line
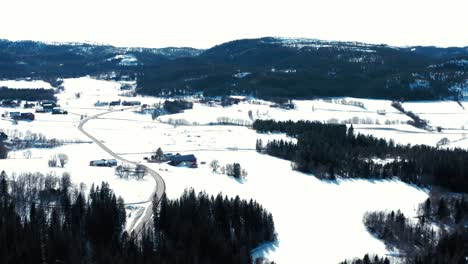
263, 67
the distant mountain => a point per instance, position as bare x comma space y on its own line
265, 67
42, 60
304, 68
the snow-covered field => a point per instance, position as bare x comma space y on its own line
25, 84
317, 221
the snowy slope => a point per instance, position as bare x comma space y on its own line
330, 227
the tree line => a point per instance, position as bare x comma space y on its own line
27, 94
45, 219
328, 150
197, 228
418, 242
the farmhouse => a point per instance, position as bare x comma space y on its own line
59, 111
3, 136
103, 163
178, 160
131, 103
9, 103
27, 116
114, 103
99, 103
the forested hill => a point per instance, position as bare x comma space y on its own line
19, 59
265, 67
304, 68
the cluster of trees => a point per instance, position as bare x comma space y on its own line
69, 229
45, 219
3, 148
32, 140
223, 120
198, 228
325, 71
367, 260
451, 248
59, 159
416, 121
125, 171
397, 231
417, 241
328, 150
445, 209
234, 170
27, 94
177, 106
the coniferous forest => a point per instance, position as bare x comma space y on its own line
328, 150
44, 219
418, 241
27, 94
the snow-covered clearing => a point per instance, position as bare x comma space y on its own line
25, 84
317, 221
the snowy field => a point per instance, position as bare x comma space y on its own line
25, 84
317, 221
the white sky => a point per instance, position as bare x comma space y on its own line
204, 23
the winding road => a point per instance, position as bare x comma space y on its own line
138, 225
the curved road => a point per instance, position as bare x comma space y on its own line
159, 189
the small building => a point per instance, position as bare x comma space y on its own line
48, 107
43, 102
103, 163
59, 111
40, 109
14, 115
231, 100
3, 136
27, 116
9, 103
178, 160
114, 103
29, 105
126, 87
99, 103
131, 103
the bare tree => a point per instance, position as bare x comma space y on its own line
52, 161
159, 154
140, 171
214, 164
121, 171
63, 159
27, 154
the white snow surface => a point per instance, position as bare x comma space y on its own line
25, 84
317, 221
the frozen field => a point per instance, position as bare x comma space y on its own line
317, 221
25, 84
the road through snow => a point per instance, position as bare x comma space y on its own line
159, 189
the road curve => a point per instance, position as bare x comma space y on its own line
159, 189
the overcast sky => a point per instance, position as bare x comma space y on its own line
204, 23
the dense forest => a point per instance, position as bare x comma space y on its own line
3, 148
302, 68
45, 219
367, 260
176, 106
20, 59
449, 249
198, 228
27, 94
328, 150
267, 68
438, 235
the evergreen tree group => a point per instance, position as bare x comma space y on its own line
198, 228
44, 219
27, 94
328, 150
